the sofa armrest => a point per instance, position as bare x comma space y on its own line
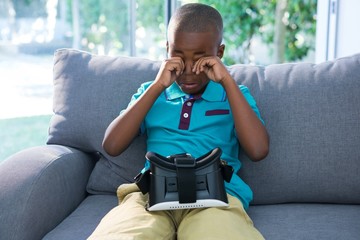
39, 187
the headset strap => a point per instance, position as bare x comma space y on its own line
185, 168
142, 180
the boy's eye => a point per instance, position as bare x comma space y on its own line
176, 53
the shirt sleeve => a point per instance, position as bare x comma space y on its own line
250, 99
134, 97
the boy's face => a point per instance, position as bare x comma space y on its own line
190, 47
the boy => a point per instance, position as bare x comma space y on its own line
192, 106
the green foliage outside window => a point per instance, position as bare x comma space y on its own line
246, 19
106, 24
103, 25
286, 27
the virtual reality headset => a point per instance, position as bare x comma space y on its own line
181, 182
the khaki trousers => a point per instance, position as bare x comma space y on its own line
130, 221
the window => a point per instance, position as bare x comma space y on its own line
31, 30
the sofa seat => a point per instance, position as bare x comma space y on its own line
307, 221
82, 222
278, 221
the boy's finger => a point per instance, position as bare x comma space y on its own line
178, 66
201, 64
197, 65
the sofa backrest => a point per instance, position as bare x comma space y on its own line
311, 111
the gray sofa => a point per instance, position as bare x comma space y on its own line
307, 188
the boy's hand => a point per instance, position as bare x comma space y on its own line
170, 69
212, 67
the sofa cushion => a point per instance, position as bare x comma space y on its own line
275, 222
307, 221
83, 221
89, 92
312, 114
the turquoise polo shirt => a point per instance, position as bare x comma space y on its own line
178, 123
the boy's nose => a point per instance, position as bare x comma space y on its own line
188, 67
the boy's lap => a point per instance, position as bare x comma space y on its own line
218, 223
131, 220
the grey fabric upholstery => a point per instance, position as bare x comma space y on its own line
83, 221
307, 221
307, 188
89, 92
277, 222
312, 113
39, 187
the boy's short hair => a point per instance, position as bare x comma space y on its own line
196, 17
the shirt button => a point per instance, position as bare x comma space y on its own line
185, 115
189, 104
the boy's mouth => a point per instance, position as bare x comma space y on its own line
188, 86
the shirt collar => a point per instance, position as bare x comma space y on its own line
214, 92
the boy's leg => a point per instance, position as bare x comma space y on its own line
219, 223
131, 221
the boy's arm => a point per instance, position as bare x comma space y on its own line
125, 127
251, 132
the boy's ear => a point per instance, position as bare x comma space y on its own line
221, 51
